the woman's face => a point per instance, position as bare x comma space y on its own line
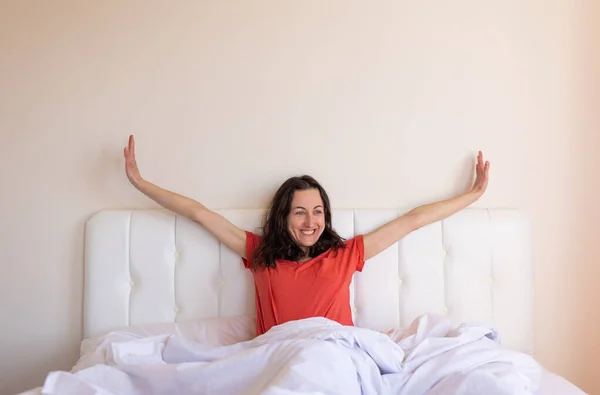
306, 219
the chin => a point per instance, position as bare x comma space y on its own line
307, 244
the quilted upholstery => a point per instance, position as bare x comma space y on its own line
151, 266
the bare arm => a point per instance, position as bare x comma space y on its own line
227, 233
383, 237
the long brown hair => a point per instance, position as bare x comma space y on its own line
277, 243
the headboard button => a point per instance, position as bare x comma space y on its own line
176, 310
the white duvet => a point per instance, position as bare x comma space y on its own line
312, 356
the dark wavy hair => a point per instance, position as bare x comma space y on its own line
277, 243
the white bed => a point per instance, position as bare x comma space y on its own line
149, 266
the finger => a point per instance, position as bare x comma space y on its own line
132, 147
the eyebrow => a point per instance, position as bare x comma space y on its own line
305, 209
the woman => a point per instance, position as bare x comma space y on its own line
301, 267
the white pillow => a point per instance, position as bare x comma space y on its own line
146, 351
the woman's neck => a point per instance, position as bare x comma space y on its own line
306, 255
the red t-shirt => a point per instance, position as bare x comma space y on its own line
319, 287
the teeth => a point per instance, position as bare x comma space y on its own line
308, 232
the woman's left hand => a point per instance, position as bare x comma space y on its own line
482, 170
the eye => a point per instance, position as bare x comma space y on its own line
318, 212
299, 212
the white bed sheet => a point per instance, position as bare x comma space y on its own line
237, 331
551, 384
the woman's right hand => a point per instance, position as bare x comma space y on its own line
131, 168
227, 233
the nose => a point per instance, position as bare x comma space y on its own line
308, 220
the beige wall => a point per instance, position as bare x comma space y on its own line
385, 104
587, 258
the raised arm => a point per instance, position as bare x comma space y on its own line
383, 237
227, 233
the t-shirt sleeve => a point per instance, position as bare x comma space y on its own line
357, 252
252, 242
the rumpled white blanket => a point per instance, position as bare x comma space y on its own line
311, 356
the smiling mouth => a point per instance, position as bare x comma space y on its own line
308, 232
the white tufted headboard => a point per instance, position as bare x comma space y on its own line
151, 266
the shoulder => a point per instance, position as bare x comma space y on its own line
353, 253
252, 238
355, 242
252, 243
